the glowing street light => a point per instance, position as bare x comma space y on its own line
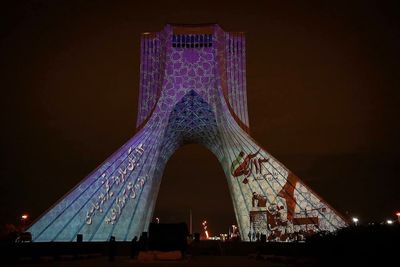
389, 222
234, 233
24, 219
355, 220
398, 216
205, 229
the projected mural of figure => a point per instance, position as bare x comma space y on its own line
259, 199
243, 165
192, 90
287, 192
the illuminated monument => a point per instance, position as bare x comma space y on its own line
192, 90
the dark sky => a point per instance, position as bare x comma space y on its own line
323, 93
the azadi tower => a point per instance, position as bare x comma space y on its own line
192, 90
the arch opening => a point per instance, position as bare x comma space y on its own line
193, 179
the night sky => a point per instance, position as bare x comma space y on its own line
323, 85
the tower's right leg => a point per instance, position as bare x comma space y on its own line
267, 197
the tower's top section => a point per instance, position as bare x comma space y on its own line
192, 35
199, 57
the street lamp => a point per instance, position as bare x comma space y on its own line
24, 219
355, 221
233, 228
234, 234
389, 222
205, 229
398, 216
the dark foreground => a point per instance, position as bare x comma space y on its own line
205, 260
360, 246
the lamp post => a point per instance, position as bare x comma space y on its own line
205, 229
398, 216
355, 221
24, 219
190, 222
234, 227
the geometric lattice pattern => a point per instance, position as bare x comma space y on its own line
192, 90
